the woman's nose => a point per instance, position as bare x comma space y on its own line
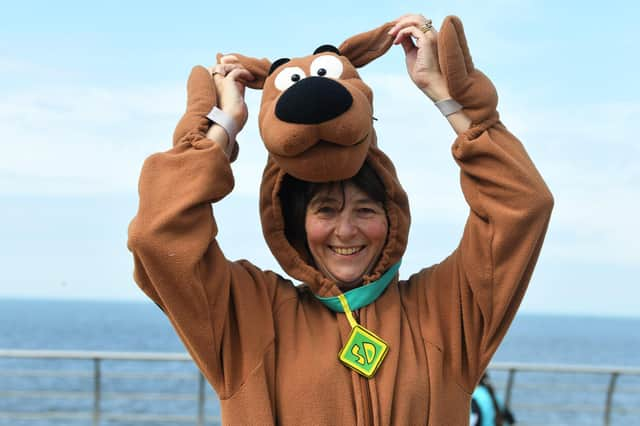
345, 227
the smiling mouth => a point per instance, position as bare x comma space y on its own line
346, 251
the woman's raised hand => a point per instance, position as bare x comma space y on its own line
230, 80
419, 41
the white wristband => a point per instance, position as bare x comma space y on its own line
222, 119
448, 106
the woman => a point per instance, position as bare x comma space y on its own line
354, 345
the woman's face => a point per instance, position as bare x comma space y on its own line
345, 233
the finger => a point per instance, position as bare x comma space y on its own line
403, 34
407, 44
240, 78
408, 20
234, 82
228, 59
423, 38
232, 67
240, 74
427, 38
432, 38
424, 45
222, 70
412, 31
218, 71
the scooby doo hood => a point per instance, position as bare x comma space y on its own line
316, 121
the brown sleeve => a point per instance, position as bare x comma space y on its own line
473, 295
222, 310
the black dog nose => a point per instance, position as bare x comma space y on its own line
313, 100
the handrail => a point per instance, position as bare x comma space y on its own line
564, 368
614, 373
99, 377
97, 357
105, 355
183, 356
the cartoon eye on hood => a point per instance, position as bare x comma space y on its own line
326, 66
288, 77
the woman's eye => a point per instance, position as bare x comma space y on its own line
288, 77
326, 66
326, 210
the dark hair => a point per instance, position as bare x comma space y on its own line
295, 195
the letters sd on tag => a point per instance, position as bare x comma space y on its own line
363, 352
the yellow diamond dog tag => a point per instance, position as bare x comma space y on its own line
363, 352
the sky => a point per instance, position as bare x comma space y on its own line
88, 91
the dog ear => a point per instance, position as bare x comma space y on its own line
258, 67
467, 84
365, 47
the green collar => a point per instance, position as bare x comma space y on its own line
364, 295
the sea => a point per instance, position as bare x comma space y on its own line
48, 392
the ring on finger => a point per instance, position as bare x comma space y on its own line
222, 74
427, 26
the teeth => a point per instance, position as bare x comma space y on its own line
346, 251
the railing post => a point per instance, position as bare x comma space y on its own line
97, 390
507, 392
201, 399
610, 390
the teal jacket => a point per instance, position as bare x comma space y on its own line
487, 416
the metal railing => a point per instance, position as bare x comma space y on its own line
108, 388
95, 380
628, 408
